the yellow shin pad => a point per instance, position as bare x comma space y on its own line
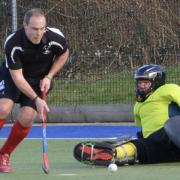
125, 151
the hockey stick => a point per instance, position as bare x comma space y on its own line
45, 165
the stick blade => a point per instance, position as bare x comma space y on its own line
45, 165
45, 169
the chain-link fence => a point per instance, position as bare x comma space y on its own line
108, 39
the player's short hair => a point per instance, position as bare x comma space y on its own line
33, 12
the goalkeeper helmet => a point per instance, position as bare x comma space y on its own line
153, 73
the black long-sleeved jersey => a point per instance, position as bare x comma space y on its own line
34, 60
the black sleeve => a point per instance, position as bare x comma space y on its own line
13, 53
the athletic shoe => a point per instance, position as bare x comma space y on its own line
4, 164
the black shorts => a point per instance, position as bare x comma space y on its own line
9, 90
157, 148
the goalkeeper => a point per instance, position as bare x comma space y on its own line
156, 102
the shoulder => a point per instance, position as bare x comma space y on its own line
55, 39
168, 90
170, 87
54, 32
14, 38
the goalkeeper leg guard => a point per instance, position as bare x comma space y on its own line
126, 153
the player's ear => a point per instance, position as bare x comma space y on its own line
24, 24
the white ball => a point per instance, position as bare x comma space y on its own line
112, 167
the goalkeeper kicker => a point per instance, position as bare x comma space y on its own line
120, 151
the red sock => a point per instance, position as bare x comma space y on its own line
2, 121
17, 134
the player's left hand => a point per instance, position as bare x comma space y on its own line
45, 84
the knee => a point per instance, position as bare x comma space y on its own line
4, 111
26, 118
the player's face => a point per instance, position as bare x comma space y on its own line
143, 84
35, 29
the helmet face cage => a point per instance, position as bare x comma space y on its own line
152, 72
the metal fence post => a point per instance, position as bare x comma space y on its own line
14, 15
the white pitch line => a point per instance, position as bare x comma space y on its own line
67, 174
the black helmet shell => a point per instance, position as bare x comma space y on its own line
152, 72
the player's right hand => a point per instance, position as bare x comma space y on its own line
41, 105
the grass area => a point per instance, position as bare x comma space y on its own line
27, 160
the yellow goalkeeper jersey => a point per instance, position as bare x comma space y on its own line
162, 104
